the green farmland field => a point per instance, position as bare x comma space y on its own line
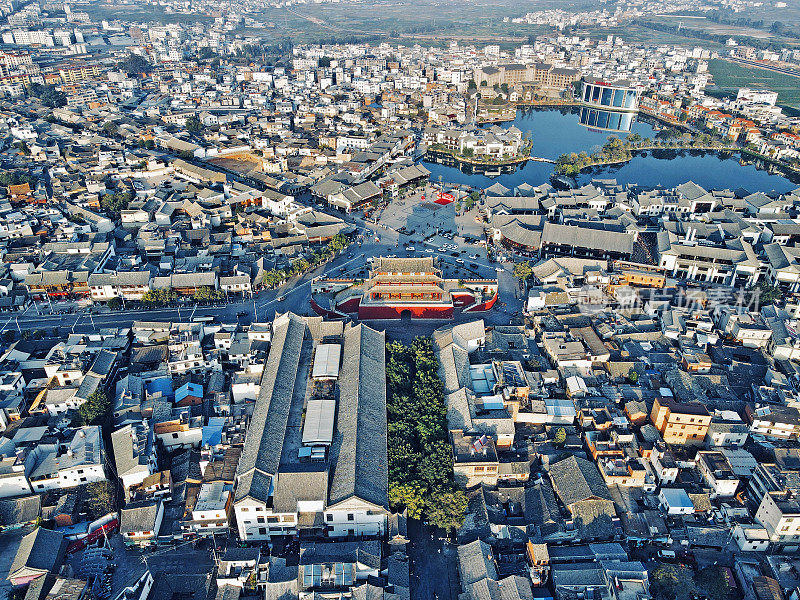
729, 77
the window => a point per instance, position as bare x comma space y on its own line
83, 478
329, 517
245, 509
260, 519
350, 517
262, 531
174, 436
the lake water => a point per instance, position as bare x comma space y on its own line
555, 132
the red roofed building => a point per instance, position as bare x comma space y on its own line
403, 287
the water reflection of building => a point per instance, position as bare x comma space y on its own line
606, 120
613, 95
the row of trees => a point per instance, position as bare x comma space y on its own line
8, 178
161, 297
420, 458
619, 150
276, 277
705, 34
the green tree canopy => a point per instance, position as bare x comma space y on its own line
523, 271
135, 64
48, 95
193, 125
446, 509
94, 411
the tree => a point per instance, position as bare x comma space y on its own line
446, 509
472, 85
664, 582
207, 293
193, 125
94, 411
767, 293
110, 128
560, 437
523, 271
633, 376
48, 95
115, 203
135, 64
115, 303
713, 582
324, 62
206, 53
272, 278
408, 496
16, 178
100, 498
158, 297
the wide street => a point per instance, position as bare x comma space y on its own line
374, 239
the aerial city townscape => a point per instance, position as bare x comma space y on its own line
400, 300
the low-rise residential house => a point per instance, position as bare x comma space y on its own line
77, 459
139, 523
718, 474
40, 553
134, 454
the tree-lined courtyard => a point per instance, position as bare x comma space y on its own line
420, 457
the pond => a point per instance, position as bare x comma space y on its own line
558, 131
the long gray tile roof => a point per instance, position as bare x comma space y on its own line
265, 435
358, 454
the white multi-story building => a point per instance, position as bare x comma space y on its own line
134, 454
717, 473
74, 461
779, 514
210, 512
